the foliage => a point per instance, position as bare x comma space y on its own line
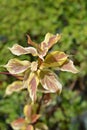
19, 18
33, 73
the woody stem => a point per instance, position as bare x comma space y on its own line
40, 103
6, 73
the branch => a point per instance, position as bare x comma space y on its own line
40, 103
7, 73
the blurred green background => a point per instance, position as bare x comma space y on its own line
68, 17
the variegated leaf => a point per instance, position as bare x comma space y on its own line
69, 67
32, 85
34, 66
35, 117
29, 127
48, 42
42, 53
54, 59
49, 81
27, 111
18, 124
14, 87
25, 80
19, 50
15, 66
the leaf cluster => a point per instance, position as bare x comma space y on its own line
19, 18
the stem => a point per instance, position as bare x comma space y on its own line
38, 109
34, 127
18, 77
5, 73
40, 103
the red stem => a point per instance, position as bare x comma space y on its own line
7, 73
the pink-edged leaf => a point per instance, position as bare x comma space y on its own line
54, 59
18, 124
27, 111
35, 117
32, 85
15, 66
29, 127
14, 87
34, 66
49, 81
69, 67
19, 50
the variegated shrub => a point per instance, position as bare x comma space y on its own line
26, 122
39, 71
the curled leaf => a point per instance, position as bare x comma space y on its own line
14, 87
54, 59
15, 66
19, 50
48, 42
18, 124
32, 85
69, 67
49, 81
